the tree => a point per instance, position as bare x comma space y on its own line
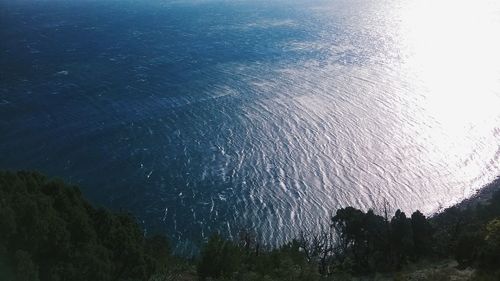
401, 238
422, 234
26, 270
490, 252
158, 248
219, 258
378, 242
350, 223
49, 232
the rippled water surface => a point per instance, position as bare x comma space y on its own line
212, 115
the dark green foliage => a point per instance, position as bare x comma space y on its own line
401, 239
490, 253
357, 243
219, 258
470, 232
422, 235
159, 250
372, 243
285, 261
224, 260
350, 223
466, 248
26, 270
467, 232
49, 232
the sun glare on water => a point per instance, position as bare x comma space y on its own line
452, 50
216, 113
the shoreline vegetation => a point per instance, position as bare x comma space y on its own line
48, 231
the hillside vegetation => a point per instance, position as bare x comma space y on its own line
48, 231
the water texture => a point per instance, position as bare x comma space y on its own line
203, 116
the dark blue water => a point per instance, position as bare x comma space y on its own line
215, 115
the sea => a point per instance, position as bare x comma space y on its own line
212, 116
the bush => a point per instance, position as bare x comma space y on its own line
49, 232
219, 258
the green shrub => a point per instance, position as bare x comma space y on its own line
49, 232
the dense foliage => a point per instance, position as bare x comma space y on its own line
471, 232
228, 260
49, 232
364, 243
356, 243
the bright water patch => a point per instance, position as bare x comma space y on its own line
200, 116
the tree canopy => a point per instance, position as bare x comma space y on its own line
49, 232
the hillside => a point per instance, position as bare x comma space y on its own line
48, 231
